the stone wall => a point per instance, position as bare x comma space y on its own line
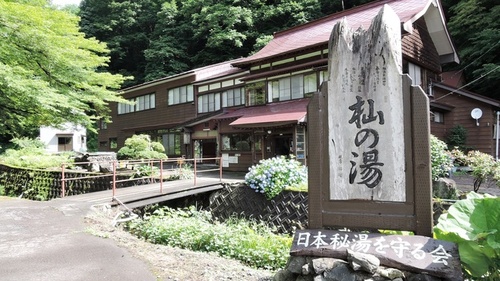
46, 184
358, 266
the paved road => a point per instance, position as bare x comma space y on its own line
48, 241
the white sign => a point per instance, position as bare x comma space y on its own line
365, 118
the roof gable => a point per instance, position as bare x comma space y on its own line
318, 32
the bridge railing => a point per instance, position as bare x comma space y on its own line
136, 172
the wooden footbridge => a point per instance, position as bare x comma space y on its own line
160, 186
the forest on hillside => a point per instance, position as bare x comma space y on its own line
65, 64
150, 39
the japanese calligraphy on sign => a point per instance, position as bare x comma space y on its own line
366, 124
413, 252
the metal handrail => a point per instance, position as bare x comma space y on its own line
119, 163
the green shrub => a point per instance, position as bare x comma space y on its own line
184, 172
482, 165
141, 147
441, 161
474, 224
271, 176
252, 243
457, 137
31, 153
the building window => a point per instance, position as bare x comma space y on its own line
323, 76
180, 95
172, 143
233, 97
415, 73
437, 117
113, 143
124, 108
310, 84
143, 102
293, 87
255, 94
239, 142
103, 124
209, 102
103, 143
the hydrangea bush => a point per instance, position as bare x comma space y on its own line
273, 175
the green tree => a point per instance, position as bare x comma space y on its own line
475, 29
150, 39
126, 27
48, 70
166, 54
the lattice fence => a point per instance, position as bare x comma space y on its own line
45, 184
286, 212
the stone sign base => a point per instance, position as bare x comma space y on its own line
301, 268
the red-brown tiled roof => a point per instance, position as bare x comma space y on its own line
272, 114
318, 32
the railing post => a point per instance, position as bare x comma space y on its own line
220, 169
161, 176
63, 182
195, 171
180, 167
114, 178
151, 165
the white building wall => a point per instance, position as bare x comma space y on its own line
50, 136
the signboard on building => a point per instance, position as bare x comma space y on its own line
369, 135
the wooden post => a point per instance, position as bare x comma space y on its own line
195, 171
161, 176
63, 182
114, 179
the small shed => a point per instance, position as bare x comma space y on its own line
68, 137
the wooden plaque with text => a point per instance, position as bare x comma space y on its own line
369, 155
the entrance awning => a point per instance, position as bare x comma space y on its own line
270, 115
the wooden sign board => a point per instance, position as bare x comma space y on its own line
366, 125
369, 157
413, 253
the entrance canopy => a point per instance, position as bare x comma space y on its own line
269, 115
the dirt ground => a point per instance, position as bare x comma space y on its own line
465, 183
169, 263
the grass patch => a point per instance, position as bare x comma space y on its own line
250, 242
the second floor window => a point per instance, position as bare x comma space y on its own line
415, 73
180, 95
292, 87
209, 103
125, 108
255, 93
233, 97
143, 102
